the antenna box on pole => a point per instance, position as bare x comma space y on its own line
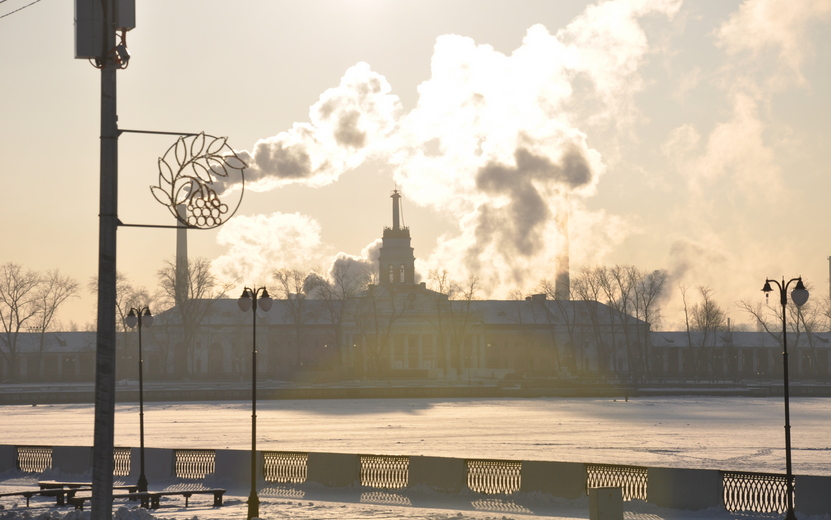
89, 25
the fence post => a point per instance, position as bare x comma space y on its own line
559, 479
812, 495
679, 488
8, 458
74, 460
438, 473
606, 503
334, 469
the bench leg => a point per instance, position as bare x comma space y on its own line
217, 499
154, 501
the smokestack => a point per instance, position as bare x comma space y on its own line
181, 289
562, 284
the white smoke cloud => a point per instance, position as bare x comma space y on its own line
775, 31
499, 141
345, 127
259, 245
496, 141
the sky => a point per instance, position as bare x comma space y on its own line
686, 136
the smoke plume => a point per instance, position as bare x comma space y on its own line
496, 142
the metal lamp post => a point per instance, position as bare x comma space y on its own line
140, 317
799, 296
252, 299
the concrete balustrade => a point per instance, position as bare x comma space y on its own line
72, 460
334, 469
675, 488
559, 479
691, 489
813, 495
442, 474
235, 465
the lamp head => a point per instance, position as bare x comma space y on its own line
146, 318
264, 301
131, 320
800, 294
244, 301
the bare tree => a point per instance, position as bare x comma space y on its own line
53, 290
337, 292
376, 311
291, 287
461, 318
192, 300
709, 319
803, 323
18, 306
438, 315
586, 287
649, 289
127, 296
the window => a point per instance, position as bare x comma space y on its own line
402, 273
392, 274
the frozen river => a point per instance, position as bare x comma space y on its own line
693, 432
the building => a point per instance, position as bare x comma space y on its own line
400, 329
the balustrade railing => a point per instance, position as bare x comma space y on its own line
756, 492
285, 467
34, 459
195, 464
121, 462
384, 471
631, 479
494, 477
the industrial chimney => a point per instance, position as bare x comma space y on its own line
562, 283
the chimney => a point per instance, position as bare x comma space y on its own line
562, 283
181, 289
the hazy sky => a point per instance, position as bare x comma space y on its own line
687, 136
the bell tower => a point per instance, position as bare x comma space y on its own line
397, 262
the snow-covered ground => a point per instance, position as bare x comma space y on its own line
693, 432
688, 432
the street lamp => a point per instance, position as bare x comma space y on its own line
140, 317
799, 296
251, 299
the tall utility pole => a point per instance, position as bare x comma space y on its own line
96, 25
104, 433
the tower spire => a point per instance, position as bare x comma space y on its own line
396, 258
396, 211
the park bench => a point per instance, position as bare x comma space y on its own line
151, 499
61, 495
84, 486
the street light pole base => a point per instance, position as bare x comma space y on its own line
253, 506
142, 483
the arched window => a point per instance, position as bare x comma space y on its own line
402, 273
392, 274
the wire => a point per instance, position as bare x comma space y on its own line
19, 9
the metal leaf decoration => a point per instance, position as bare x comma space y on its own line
188, 172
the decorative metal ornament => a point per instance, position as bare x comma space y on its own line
190, 171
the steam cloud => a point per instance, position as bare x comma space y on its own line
346, 126
496, 141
